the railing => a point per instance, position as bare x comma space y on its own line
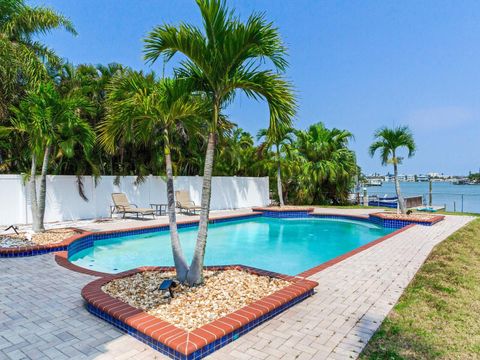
454, 202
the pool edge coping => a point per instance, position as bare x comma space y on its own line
26, 251
340, 258
61, 257
178, 343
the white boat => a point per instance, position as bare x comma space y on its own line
374, 182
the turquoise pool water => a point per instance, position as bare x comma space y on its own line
288, 246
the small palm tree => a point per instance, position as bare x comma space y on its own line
51, 125
143, 109
389, 142
226, 57
281, 140
21, 57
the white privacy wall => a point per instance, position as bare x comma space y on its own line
64, 202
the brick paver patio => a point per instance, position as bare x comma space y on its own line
42, 314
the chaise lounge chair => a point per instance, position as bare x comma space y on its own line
185, 203
123, 206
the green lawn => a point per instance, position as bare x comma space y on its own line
438, 316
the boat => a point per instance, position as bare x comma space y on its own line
390, 202
374, 182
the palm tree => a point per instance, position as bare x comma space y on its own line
389, 142
22, 58
52, 126
141, 108
236, 154
90, 82
281, 139
326, 164
223, 58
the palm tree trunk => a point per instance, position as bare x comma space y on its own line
39, 211
195, 274
401, 203
33, 194
279, 179
179, 259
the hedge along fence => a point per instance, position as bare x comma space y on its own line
63, 200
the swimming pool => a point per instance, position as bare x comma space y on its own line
285, 245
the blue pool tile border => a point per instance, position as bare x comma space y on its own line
31, 252
85, 241
88, 240
207, 349
195, 344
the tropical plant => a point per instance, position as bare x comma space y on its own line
326, 165
90, 82
281, 139
52, 128
235, 155
224, 58
141, 108
389, 142
22, 58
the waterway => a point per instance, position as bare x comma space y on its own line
457, 198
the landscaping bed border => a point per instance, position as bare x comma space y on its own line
178, 343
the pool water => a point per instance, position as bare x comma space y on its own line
288, 246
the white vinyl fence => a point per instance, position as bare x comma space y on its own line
65, 203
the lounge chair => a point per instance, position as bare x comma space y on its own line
184, 203
123, 206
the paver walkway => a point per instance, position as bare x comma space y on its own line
42, 314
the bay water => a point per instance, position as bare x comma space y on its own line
457, 198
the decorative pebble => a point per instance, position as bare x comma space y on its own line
27, 238
222, 293
413, 217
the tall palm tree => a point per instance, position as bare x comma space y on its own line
389, 142
52, 126
141, 108
22, 58
225, 57
281, 139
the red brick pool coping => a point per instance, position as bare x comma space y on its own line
432, 219
61, 257
340, 258
45, 247
42, 249
180, 340
284, 209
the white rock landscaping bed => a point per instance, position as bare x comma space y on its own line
222, 293
52, 236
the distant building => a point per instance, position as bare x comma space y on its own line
389, 178
423, 178
402, 177
410, 178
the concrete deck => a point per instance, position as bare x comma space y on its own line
42, 314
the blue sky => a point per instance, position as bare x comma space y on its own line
356, 65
